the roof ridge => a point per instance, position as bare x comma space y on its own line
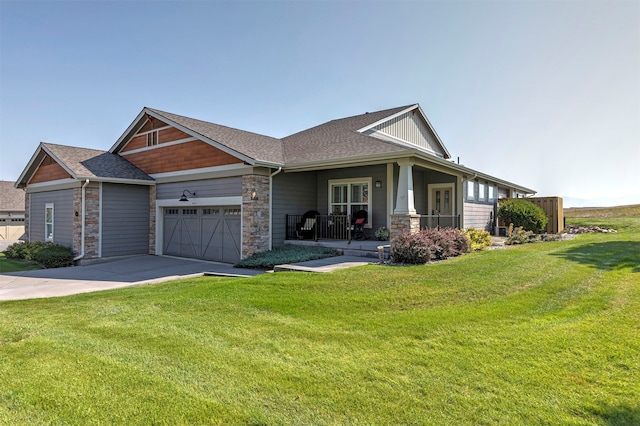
160, 112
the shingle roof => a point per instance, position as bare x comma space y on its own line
339, 139
11, 198
88, 163
252, 145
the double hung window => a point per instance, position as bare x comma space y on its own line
349, 196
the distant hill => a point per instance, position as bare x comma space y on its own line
618, 211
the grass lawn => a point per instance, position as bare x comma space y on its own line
12, 265
544, 333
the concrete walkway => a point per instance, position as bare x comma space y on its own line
138, 270
112, 274
326, 265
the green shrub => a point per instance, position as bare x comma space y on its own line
48, 255
523, 213
518, 236
283, 255
428, 244
479, 239
54, 256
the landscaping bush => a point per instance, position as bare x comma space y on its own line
479, 239
413, 249
523, 213
54, 256
518, 236
48, 255
428, 244
286, 254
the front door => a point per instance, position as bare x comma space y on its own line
441, 204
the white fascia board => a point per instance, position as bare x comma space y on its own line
60, 162
351, 161
390, 138
203, 173
397, 114
203, 138
54, 185
199, 202
471, 172
444, 148
129, 129
29, 166
118, 180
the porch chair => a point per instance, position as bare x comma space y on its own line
359, 219
305, 229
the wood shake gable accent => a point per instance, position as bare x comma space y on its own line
179, 157
49, 170
160, 132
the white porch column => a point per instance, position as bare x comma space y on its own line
404, 200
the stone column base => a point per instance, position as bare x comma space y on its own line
404, 223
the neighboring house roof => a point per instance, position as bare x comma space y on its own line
84, 163
251, 147
11, 198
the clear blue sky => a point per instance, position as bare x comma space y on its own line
544, 94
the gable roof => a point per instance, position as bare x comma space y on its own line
339, 139
250, 147
349, 138
84, 163
11, 198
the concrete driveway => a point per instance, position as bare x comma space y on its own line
118, 273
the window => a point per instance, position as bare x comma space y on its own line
471, 187
48, 222
481, 194
349, 196
152, 138
492, 193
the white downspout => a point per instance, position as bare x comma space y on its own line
81, 255
271, 206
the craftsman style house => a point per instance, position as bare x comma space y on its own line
180, 186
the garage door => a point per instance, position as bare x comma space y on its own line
211, 233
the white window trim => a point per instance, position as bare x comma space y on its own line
482, 191
471, 196
352, 181
48, 206
435, 186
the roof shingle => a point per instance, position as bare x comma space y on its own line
11, 198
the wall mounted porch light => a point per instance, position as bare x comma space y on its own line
184, 195
254, 194
378, 184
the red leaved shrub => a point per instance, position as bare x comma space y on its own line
427, 245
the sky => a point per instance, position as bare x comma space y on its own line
545, 94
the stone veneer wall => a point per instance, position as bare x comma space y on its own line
255, 214
92, 222
404, 223
152, 219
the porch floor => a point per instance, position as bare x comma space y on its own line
362, 248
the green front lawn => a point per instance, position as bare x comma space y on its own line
13, 265
543, 333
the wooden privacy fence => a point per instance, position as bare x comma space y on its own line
552, 207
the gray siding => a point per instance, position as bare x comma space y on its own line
378, 215
292, 193
62, 216
222, 187
125, 219
410, 129
478, 216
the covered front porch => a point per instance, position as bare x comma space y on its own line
394, 194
